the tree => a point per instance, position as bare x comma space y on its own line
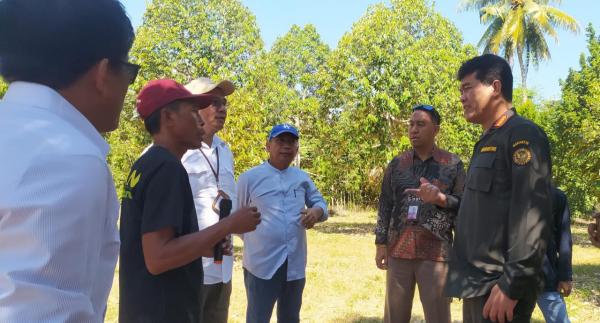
521, 27
298, 55
574, 131
183, 40
393, 58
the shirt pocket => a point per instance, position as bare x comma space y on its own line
481, 175
297, 197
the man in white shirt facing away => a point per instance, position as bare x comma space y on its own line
66, 62
210, 171
275, 253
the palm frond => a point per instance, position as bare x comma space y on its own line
487, 39
559, 18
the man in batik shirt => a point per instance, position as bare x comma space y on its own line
420, 195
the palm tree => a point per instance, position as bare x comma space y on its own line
520, 26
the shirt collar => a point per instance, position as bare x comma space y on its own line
435, 154
271, 167
502, 120
217, 142
43, 97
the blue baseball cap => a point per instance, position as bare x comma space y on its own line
283, 128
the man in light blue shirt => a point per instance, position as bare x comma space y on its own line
275, 253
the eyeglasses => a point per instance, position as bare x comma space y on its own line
132, 70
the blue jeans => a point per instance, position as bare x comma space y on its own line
553, 307
263, 293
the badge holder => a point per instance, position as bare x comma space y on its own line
414, 204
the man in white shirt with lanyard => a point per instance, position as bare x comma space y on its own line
66, 62
210, 171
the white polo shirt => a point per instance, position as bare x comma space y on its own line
205, 189
58, 211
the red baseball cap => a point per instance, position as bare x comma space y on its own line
158, 93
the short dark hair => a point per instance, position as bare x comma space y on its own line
431, 111
152, 123
55, 42
488, 68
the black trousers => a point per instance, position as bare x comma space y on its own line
473, 310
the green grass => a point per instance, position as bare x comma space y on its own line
343, 284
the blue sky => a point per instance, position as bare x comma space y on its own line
333, 18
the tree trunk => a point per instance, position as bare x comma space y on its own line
523, 64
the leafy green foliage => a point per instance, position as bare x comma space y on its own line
574, 131
351, 103
298, 56
393, 58
183, 40
3, 87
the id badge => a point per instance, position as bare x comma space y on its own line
413, 210
414, 203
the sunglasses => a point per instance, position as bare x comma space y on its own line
424, 107
430, 109
132, 70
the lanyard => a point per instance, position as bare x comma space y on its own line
216, 173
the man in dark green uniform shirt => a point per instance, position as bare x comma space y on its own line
502, 223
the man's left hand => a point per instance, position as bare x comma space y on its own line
499, 307
311, 216
565, 288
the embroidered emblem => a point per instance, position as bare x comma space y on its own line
522, 156
488, 149
521, 142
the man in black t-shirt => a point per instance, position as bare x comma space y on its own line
160, 275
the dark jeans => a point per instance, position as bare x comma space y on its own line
473, 310
214, 303
263, 293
